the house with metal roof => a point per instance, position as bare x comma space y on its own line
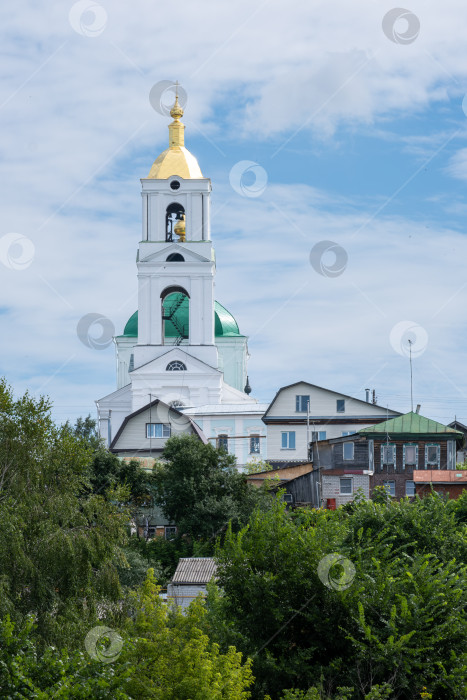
303, 413
406, 444
190, 579
387, 454
144, 432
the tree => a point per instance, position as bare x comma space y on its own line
399, 621
60, 543
175, 659
257, 466
199, 488
27, 672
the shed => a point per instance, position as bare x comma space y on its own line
190, 579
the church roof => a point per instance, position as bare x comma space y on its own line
176, 159
225, 325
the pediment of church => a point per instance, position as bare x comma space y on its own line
167, 364
175, 249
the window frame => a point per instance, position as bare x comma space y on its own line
404, 452
171, 368
429, 465
344, 445
317, 435
350, 480
384, 446
222, 438
287, 446
390, 482
255, 437
410, 495
169, 527
299, 402
165, 427
340, 402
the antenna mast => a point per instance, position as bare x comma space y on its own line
411, 375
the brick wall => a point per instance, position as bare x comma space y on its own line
331, 487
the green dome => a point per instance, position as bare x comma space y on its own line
176, 322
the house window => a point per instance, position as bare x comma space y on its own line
410, 458
347, 432
451, 457
254, 444
345, 487
288, 440
170, 533
223, 442
340, 406
410, 488
388, 454
176, 366
431, 456
390, 487
348, 450
157, 430
318, 435
302, 403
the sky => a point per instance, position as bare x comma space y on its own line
335, 136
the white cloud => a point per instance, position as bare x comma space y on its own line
76, 113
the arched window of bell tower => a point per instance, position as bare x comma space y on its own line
175, 316
174, 213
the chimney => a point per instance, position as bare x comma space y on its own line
417, 410
367, 393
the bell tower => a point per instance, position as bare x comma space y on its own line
176, 263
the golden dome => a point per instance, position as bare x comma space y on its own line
176, 159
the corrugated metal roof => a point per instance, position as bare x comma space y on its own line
194, 570
410, 424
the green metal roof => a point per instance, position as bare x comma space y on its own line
176, 325
410, 424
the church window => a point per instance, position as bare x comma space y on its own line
223, 442
254, 444
157, 430
175, 316
288, 440
175, 257
176, 366
175, 185
301, 403
174, 213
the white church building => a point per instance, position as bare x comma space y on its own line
181, 346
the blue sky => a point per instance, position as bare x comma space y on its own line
362, 142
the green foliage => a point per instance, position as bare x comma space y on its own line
175, 659
199, 488
257, 466
27, 673
59, 543
398, 626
